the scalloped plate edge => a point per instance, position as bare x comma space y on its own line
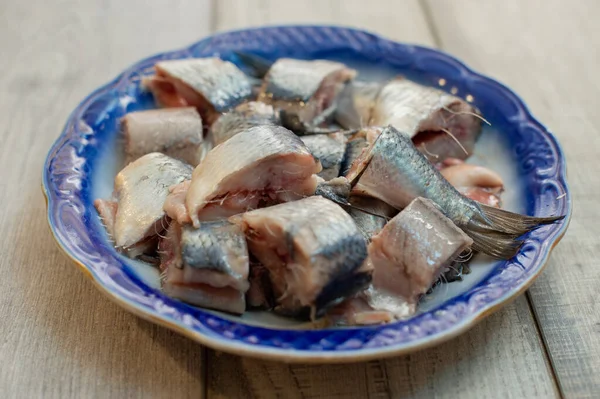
293, 355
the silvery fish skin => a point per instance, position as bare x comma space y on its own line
337, 189
176, 132
370, 214
140, 191
312, 249
219, 246
329, 150
355, 104
210, 84
257, 167
422, 112
409, 254
207, 267
393, 159
305, 90
393, 170
257, 66
243, 117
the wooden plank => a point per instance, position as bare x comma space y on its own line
412, 28
545, 51
502, 357
60, 336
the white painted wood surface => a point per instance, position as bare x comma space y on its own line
502, 357
547, 52
398, 20
59, 336
62, 338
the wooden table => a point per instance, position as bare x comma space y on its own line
60, 337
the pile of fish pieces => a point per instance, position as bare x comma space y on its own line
247, 195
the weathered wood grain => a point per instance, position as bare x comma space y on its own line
502, 357
60, 337
547, 52
397, 20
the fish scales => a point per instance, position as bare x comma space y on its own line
297, 80
243, 117
220, 82
262, 163
312, 249
141, 189
393, 170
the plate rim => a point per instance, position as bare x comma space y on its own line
323, 356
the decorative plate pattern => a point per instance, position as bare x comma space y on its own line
67, 178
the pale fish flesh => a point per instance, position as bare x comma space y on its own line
306, 91
139, 193
409, 254
312, 249
260, 166
428, 115
211, 85
174, 205
176, 132
476, 182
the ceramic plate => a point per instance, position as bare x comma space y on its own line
84, 160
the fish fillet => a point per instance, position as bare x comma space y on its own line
424, 113
305, 90
207, 267
355, 104
140, 192
257, 167
211, 85
409, 254
312, 249
176, 132
329, 150
243, 117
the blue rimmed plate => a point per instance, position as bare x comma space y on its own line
84, 160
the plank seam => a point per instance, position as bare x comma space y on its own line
214, 15
205, 372
428, 15
545, 346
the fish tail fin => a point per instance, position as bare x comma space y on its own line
499, 245
496, 232
514, 223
